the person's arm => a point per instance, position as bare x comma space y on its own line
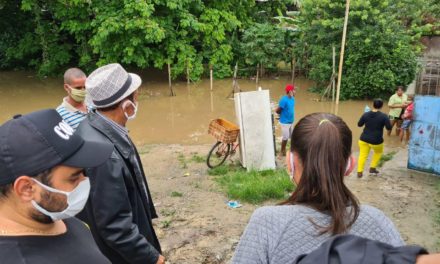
254, 245
385, 230
361, 121
387, 123
428, 259
281, 105
112, 214
393, 104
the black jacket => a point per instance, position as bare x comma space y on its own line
120, 209
350, 249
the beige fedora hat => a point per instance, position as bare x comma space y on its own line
111, 83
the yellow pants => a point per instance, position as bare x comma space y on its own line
364, 150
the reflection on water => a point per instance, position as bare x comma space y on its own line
180, 119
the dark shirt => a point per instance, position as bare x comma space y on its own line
74, 246
374, 123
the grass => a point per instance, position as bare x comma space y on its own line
197, 158
144, 149
176, 194
181, 158
255, 186
386, 157
220, 170
168, 212
166, 223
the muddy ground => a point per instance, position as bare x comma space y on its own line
196, 226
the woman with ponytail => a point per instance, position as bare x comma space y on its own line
321, 206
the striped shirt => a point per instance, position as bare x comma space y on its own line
70, 114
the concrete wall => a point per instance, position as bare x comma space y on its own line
424, 146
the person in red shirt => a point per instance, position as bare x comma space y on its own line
407, 120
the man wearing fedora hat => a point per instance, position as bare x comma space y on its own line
120, 209
42, 186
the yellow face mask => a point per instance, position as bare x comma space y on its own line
78, 95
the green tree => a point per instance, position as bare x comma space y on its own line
379, 53
263, 45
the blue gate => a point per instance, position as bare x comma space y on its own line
424, 145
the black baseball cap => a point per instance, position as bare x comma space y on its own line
35, 142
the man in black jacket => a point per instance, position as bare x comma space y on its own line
120, 209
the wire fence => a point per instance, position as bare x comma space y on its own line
428, 79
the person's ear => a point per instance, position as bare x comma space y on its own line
67, 88
24, 188
351, 166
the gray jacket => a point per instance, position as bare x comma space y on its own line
279, 234
120, 209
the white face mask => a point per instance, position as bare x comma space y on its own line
135, 107
76, 200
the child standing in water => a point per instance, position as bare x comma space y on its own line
407, 119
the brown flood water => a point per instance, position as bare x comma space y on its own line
181, 119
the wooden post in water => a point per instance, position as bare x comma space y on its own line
187, 72
341, 56
234, 80
169, 80
210, 75
293, 70
256, 79
333, 73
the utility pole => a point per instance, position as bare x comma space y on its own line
341, 57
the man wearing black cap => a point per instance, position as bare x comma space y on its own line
42, 186
120, 209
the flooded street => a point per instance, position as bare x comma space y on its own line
182, 119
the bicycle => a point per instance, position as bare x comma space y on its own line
226, 134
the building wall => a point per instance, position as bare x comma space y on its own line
432, 46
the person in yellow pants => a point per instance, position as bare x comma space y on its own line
372, 136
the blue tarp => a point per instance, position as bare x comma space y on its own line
424, 145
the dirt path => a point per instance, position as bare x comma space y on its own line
409, 198
196, 226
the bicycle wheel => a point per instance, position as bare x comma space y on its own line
218, 154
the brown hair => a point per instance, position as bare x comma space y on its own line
323, 144
43, 177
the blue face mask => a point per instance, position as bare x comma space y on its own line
76, 200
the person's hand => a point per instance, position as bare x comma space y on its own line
161, 260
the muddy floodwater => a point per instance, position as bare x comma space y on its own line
182, 119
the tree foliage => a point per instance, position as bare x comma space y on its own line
379, 53
190, 35
195, 35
